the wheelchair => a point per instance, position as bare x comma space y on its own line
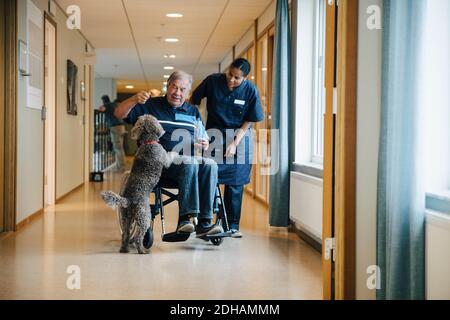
157, 208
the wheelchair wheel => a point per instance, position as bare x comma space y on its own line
148, 239
216, 241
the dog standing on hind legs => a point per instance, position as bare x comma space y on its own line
144, 176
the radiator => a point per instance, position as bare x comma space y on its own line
437, 249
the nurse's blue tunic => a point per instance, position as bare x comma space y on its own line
229, 110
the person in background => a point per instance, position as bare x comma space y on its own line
232, 103
117, 130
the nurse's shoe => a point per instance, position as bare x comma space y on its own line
236, 233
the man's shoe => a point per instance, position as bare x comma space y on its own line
236, 233
185, 225
203, 230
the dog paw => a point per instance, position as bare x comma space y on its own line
124, 250
143, 251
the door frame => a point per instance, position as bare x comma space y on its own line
2, 104
9, 148
345, 215
49, 19
339, 181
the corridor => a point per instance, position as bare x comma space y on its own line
267, 263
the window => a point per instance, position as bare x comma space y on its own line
319, 85
310, 87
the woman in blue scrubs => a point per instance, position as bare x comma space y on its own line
233, 104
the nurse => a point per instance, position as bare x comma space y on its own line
232, 103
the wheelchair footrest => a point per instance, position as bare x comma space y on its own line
176, 236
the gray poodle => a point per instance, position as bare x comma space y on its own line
145, 173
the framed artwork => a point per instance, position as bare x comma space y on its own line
72, 71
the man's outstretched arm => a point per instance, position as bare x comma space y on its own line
124, 107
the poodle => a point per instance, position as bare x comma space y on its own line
144, 176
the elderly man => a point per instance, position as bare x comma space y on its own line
191, 173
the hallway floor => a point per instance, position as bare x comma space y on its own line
267, 263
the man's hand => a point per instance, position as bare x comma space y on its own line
102, 108
142, 97
231, 150
202, 144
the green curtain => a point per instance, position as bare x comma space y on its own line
401, 207
281, 118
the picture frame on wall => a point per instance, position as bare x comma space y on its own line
72, 72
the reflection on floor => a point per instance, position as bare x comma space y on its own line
267, 263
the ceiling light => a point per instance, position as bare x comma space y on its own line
171, 56
166, 76
174, 15
171, 40
129, 86
165, 83
168, 68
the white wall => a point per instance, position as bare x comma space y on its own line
245, 41
104, 86
226, 61
368, 131
267, 17
69, 129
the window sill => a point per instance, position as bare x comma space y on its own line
438, 201
310, 169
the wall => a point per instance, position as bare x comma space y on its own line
226, 61
267, 17
245, 41
104, 86
69, 129
264, 20
368, 131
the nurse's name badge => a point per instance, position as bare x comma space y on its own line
240, 102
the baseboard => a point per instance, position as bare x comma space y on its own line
69, 193
315, 243
30, 218
5, 235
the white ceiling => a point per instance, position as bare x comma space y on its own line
207, 32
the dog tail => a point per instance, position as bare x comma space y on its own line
114, 200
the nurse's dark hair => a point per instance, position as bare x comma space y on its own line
243, 65
179, 74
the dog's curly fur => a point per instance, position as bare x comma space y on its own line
145, 173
